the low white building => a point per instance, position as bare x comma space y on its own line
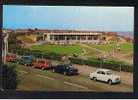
72, 37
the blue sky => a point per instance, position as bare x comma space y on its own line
69, 17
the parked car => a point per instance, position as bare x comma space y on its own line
26, 60
42, 63
105, 75
11, 58
65, 69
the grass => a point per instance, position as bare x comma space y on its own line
78, 49
30, 81
59, 49
25, 39
124, 47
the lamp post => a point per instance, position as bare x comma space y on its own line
5, 47
101, 63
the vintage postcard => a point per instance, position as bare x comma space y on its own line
68, 48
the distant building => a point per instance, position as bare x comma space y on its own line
72, 37
63, 36
111, 34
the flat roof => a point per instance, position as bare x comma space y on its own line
102, 69
76, 33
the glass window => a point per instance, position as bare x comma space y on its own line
103, 72
109, 73
95, 37
99, 72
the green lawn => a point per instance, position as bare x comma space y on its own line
59, 49
124, 47
78, 49
25, 39
31, 80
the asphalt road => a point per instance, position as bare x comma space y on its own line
43, 80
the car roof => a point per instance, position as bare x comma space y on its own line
101, 69
27, 56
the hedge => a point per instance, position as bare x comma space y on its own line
38, 53
110, 64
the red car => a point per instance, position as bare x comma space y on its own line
42, 63
11, 58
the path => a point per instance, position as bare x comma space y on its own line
119, 56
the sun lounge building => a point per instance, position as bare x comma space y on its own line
72, 37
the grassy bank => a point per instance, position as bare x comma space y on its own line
59, 49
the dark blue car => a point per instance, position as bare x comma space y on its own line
65, 69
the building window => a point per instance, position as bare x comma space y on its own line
78, 37
55, 37
90, 37
51, 37
83, 37
73, 37
95, 37
61, 37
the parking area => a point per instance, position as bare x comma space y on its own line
45, 80
126, 77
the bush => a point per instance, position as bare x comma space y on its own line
52, 55
110, 64
9, 77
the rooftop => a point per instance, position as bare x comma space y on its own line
102, 69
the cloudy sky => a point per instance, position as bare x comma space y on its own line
69, 17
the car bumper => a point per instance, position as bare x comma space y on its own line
73, 73
117, 81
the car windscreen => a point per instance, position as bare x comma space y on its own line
27, 58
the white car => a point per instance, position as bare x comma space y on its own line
105, 75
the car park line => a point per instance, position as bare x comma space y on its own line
22, 71
68, 83
45, 77
76, 85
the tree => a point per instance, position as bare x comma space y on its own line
9, 77
30, 31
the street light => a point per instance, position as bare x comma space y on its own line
102, 58
5, 47
101, 63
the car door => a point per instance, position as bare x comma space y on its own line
59, 68
103, 76
99, 75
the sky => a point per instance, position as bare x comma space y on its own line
69, 17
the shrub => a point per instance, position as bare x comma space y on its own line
9, 77
110, 64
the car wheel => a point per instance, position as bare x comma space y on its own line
64, 73
110, 82
94, 78
91, 78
